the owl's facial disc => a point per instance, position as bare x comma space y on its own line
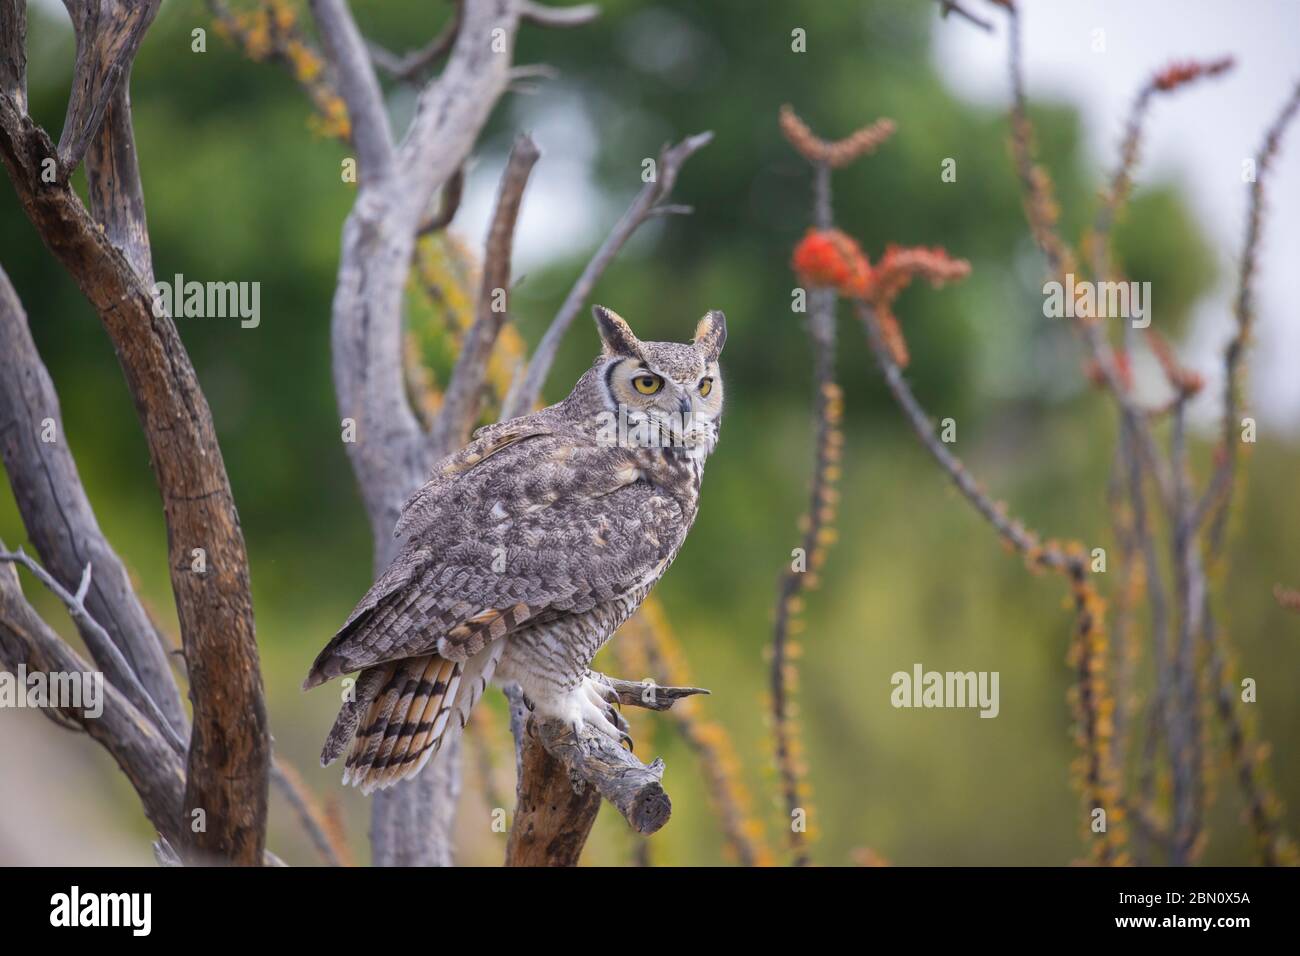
670, 404
662, 394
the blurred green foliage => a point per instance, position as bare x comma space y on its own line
238, 187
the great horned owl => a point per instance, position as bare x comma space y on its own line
525, 552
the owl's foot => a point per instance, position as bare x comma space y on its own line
586, 705
606, 701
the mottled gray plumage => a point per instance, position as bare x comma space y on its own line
526, 550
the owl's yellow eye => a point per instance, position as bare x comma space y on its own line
648, 384
706, 386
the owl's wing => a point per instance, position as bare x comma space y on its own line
489, 440
539, 526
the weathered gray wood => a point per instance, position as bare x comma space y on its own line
645, 693
359, 88
634, 788
13, 51
113, 180
561, 777
553, 814
108, 35
412, 822
545, 16
60, 521
450, 111
149, 762
227, 769
461, 401
391, 456
75, 603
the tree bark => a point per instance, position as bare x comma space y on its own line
229, 757
58, 516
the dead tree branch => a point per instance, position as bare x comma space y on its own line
460, 406
646, 693
358, 86
141, 751
448, 204
527, 390
631, 786
544, 16
562, 777
59, 519
450, 111
108, 35
553, 812
113, 175
1217, 501
13, 51
76, 605
310, 814
229, 751
391, 456
414, 67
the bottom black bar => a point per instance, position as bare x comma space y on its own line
1013, 904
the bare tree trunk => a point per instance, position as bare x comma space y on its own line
107, 254
392, 456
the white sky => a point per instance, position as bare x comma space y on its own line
1197, 137
564, 211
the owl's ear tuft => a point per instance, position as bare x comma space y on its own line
711, 335
615, 333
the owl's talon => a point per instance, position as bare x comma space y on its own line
613, 715
597, 690
602, 687
586, 706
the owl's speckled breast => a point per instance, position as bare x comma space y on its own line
552, 658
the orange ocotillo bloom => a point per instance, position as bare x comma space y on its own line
830, 258
1177, 74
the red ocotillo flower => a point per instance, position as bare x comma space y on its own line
893, 273
900, 264
829, 257
1176, 74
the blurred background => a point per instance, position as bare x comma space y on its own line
241, 185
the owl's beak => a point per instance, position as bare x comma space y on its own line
684, 404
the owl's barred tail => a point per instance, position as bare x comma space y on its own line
403, 714
404, 724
